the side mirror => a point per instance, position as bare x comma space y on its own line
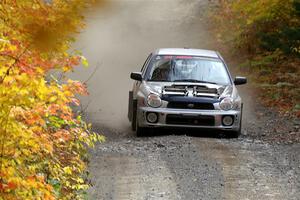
136, 76
240, 80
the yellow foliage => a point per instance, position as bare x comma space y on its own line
43, 144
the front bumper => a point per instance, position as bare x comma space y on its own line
190, 118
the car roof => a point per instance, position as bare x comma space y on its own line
187, 52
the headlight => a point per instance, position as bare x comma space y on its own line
226, 104
154, 101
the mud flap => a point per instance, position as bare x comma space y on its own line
130, 105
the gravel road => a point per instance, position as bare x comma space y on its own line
189, 167
184, 164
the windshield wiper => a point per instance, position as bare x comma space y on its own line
193, 81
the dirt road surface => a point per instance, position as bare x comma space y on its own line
187, 165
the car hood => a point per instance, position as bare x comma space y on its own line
222, 90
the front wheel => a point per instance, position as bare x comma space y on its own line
140, 132
236, 134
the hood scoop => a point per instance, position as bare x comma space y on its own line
190, 91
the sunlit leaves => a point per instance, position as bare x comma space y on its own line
84, 61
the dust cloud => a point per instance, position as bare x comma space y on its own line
119, 38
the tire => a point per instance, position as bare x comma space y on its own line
140, 132
236, 134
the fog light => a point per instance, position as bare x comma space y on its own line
227, 120
152, 117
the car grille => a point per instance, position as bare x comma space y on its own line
190, 120
196, 90
184, 105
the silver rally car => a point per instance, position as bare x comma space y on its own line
189, 88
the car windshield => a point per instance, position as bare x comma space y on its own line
188, 69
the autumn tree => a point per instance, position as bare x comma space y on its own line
268, 33
43, 143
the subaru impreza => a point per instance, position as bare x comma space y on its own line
186, 88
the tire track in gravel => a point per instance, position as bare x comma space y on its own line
251, 170
167, 167
129, 177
